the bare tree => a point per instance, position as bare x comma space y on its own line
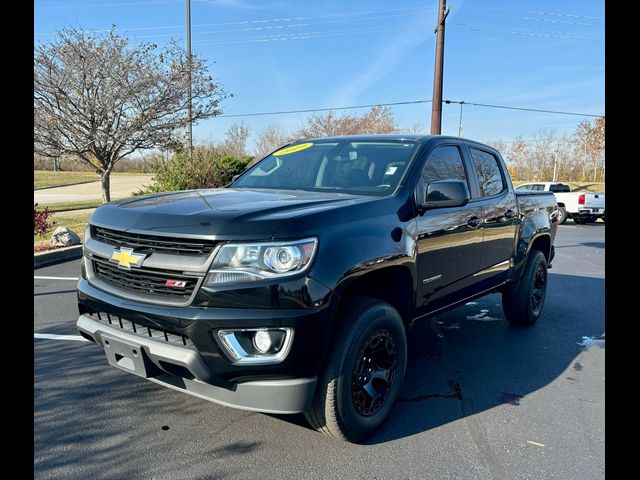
271, 138
590, 140
235, 142
415, 127
518, 155
377, 120
100, 99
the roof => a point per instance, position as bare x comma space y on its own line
387, 136
380, 136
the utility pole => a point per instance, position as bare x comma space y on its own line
460, 121
189, 69
436, 104
555, 165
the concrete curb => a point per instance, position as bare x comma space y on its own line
43, 259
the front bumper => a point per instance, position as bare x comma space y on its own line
181, 350
271, 396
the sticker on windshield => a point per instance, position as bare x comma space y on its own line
294, 148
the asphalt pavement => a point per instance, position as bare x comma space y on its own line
481, 399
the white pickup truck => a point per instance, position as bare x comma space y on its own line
582, 207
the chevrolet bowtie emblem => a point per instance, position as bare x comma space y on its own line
125, 258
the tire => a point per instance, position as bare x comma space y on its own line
341, 406
592, 219
579, 220
523, 302
562, 215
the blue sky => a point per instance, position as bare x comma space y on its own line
288, 55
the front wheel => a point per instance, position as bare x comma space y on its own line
522, 303
364, 372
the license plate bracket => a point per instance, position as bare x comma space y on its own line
127, 356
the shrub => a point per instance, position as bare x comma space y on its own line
41, 220
208, 169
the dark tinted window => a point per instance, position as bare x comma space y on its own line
538, 188
444, 163
559, 187
347, 166
488, 173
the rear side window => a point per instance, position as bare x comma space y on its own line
488, 172
444, 163
559, 188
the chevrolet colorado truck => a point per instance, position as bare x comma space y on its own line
582, 207
294, 288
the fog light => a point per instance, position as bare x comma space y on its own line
262, 341
246, 346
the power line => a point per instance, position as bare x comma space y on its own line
268, 20
410, 102
311, 110
276, 27
306, 35
532, 12
506, 107
96, 5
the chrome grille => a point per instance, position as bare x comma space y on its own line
145, 281
143, 243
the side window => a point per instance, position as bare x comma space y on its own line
444, 163
488, 172
538, 188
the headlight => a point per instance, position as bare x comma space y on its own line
246, 262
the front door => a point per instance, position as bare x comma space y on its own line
449, 239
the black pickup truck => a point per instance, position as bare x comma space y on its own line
294, 288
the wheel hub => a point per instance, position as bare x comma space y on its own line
374, 372
537, 292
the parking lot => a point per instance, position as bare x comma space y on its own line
480, 400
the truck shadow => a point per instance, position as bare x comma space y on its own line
85, 409
470, 359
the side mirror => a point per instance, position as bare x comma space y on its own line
445, 193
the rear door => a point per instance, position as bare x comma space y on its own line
449, 239
499, 210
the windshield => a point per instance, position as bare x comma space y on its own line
359, 167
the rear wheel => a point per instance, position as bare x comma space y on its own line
562, 215
592, 219
522, 303
364, 372
580, 220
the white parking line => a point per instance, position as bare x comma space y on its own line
35, 277
50, 336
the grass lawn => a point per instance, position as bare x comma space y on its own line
66, 206
45, 179
75, 222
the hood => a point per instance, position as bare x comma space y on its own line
224, 213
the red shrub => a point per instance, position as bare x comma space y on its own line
41, 223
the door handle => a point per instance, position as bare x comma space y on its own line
473, 222
509, 214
